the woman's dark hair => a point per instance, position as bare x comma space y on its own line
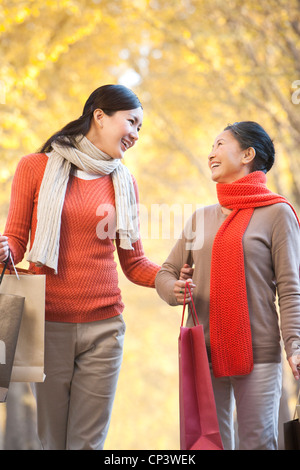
251, 134
109, 98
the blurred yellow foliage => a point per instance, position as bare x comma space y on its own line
196, 66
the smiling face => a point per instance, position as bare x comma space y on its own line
117, 133
227, 161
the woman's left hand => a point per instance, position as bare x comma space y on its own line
294, 362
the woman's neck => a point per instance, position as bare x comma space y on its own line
225, 210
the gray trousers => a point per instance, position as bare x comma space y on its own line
82, 365
256, 397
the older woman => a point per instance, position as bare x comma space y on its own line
246, 249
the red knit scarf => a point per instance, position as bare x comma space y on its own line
230, 332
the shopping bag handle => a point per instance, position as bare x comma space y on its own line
192, 308
3, 270
9, 258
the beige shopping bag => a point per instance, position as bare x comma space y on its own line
28, 363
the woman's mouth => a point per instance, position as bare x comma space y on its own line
125, 144
214, 165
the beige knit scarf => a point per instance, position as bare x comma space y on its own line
86, 157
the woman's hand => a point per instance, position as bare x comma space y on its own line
179, 289
294, 362
4, 248
186, 272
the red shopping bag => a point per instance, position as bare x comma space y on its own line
199, 428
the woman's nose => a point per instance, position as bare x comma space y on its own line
134, 135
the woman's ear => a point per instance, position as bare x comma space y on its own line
249, 155
98, 117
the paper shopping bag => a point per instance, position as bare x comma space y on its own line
28, 364
11, 310
292, 435
199, 427
291, 432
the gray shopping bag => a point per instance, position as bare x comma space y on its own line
11, 310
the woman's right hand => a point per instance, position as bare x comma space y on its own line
4, 248
179, 289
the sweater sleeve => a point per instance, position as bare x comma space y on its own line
170, 271
19, 218
286, 262
135, 265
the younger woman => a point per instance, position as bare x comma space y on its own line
74, 198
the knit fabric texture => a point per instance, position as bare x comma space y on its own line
86, 286
230, 330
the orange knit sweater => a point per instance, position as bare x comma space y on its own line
86, 286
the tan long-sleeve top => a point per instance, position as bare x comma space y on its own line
272, 260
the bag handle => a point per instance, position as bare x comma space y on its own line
192, 309
3, 270
9, 258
